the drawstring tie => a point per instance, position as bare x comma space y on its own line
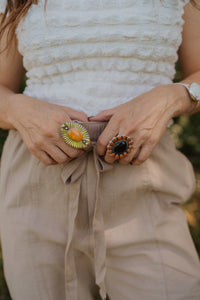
72, 175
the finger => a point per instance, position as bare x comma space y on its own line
44, 158
72, 152
143, 155
57, 154
104, 115
111, 155
50, 147
108, 158
147, 147
135, 144
58, 141
151, 143
130, 157
69, 150
75, 114
141, 136
54, 146
109, 132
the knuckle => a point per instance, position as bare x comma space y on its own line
32, 148
137, 162
129, 131
47, 161
62, 160
144, 134
61, 116
109, 160
75, 154
39, 141
140, 160
48, 132
129, 128
118, 117
152, 141
124, 162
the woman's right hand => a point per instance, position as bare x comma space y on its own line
38, 123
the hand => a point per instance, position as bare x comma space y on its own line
144, 119
38, 123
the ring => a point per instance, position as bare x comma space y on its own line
75, 135
120, 146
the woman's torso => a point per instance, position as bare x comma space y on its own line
93, 55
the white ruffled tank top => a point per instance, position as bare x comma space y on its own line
93, 55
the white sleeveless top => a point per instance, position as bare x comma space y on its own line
93, 55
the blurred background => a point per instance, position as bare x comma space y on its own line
186, 134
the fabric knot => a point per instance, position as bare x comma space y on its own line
71, 175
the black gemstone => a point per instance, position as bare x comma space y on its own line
120, 147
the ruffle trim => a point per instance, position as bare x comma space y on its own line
115, 65
97, 78
63, 54
123, 34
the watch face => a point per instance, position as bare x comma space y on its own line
195, 91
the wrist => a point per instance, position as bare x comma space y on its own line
182, 103
14, 105
193, 90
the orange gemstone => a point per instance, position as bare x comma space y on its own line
131, 143
121, 156
110, 151
75, 134
117, 156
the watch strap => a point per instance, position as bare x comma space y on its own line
194, 100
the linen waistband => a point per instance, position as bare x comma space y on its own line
94, 128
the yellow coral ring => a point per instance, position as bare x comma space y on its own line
75, 135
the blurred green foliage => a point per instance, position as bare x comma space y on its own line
186, 134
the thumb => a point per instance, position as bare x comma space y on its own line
76, 115
104, 115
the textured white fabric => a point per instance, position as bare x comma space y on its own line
2, 5
93, 55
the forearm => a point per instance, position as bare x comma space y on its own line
7, 101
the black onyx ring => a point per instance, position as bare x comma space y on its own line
120, 146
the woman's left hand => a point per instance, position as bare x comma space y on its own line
144, 119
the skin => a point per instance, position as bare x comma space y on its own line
143, 118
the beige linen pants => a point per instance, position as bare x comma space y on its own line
68, 230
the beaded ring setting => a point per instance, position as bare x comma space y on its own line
120, 146
75, 135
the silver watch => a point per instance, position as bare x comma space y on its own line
193, 90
